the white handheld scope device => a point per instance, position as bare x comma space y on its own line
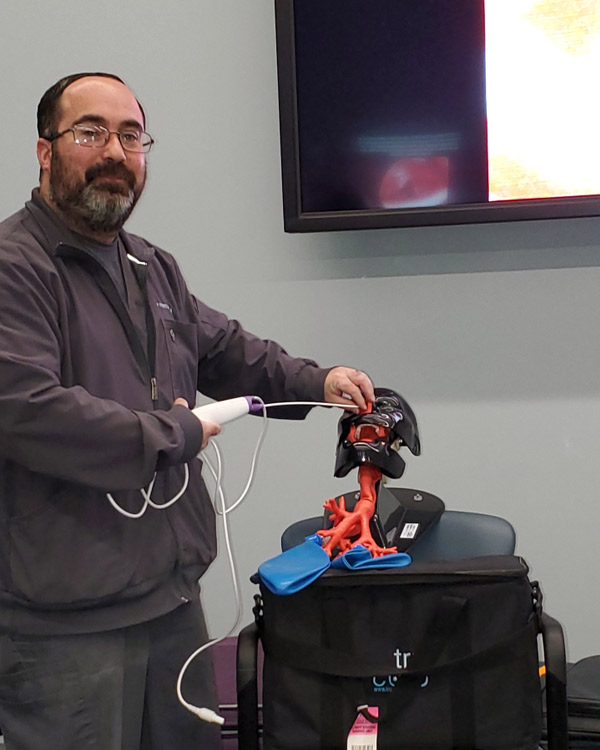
226, 411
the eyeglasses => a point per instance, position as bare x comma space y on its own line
96, 136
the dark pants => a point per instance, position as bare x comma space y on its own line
108, 691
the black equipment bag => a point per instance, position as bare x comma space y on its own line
447, 651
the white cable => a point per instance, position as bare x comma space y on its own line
311, 403
250, 481
217, 475
186, 479
260, 441
207, 714
146, 494
140, 513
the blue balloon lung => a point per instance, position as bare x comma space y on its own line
298, 567
359, 558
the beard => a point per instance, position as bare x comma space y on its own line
94, 204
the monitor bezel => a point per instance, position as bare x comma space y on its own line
296, 220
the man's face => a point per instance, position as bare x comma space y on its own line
96, 188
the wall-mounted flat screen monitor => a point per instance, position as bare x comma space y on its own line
426, 112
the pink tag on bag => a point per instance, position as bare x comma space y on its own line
363, 735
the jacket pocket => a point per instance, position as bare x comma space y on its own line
181, 343
78, 549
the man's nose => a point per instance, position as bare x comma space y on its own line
113, 148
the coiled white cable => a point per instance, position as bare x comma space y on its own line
222, 509
146, 493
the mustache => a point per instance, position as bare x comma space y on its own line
115, 169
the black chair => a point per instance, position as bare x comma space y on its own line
456, 535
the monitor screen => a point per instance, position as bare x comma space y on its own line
406, 112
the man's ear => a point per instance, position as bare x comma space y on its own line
44, 153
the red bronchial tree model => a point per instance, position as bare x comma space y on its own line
351, 527
371, 441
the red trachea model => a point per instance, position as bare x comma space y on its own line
348, 523
370, 440
352, 527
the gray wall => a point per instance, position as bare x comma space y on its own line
491, 332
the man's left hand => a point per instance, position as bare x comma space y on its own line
343, 385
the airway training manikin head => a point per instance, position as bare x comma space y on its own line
376, 437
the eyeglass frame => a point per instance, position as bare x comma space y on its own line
74, 128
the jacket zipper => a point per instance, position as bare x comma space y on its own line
140, 269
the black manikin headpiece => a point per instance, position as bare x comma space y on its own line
395, 425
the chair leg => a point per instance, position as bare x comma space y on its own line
247, 688
556, 683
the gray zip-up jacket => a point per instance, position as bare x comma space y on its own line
86, 409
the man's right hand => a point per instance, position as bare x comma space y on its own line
209, 429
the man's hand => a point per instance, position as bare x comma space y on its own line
343, 385
209, 429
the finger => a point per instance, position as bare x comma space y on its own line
359, 387
363, 381
344, 384
344, 390
181, 402
355, 394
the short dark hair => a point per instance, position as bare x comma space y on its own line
47, 111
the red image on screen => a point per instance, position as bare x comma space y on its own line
413, 181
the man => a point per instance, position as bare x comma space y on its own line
102, 348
